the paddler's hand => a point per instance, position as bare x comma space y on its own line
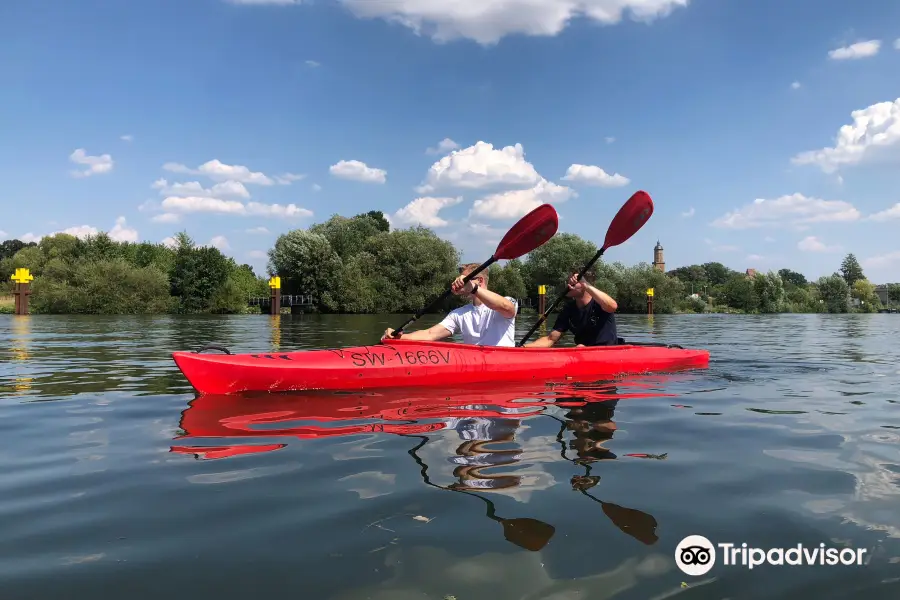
389, 333
574, 284
459, 288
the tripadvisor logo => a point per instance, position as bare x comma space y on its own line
695, 555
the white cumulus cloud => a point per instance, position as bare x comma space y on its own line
193, 188
488, 21
358, 171
127, 138
169, 242
195, 204
856, 51
96, 165
258, 230
873, 127
813, 244
514, 204
444, 146
424, 211
289, 178
688, 213
481, 166
883, 260
220, 242
888, 214
166, 218
795, 85
219, 171
897, 44
120, 232
592, 175
796, 210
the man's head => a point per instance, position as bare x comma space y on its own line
481, 279
589, 277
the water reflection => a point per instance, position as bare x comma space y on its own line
19, 353
475, 431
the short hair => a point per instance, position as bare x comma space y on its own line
469, 267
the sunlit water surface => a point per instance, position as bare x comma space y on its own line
116, 483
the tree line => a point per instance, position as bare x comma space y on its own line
360, 265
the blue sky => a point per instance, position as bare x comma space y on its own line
231, 119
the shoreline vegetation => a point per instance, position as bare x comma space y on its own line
359, 265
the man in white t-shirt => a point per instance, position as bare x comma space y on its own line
490, 320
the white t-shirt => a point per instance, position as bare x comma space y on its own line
481, 326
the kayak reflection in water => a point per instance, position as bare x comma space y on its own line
589, 315
490, 319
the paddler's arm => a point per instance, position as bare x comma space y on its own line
602, 298
496, 302
432, 334
546, 341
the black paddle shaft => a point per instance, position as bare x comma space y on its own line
560, 297
444, 296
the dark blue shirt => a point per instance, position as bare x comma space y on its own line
590, 324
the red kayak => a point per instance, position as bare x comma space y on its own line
407, 363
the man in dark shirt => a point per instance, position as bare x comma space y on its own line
590, 316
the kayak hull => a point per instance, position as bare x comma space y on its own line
408, 363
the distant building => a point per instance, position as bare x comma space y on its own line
751, 272
659, 262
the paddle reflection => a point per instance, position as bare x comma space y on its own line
484, 423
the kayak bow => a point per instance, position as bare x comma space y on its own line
409, 363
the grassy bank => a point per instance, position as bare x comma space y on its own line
7, 305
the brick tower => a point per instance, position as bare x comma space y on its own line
659, 262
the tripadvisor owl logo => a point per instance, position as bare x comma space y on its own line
695, 555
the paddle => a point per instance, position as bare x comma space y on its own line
531, 232
631, 217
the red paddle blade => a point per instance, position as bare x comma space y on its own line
532, 231
631, 217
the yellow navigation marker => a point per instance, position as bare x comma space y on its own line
650, 292
275, 282
542, 289
22, 276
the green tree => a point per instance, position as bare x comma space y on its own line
629, 285
851, 270
411, 268
348, 236
507, 280
8, 248
100, 287
308, 264
768, 289
792, 278
378, 216
551, 263
835, 293
738, 293
197, 275
864, 291
717, 273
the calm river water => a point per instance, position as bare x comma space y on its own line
116, 483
